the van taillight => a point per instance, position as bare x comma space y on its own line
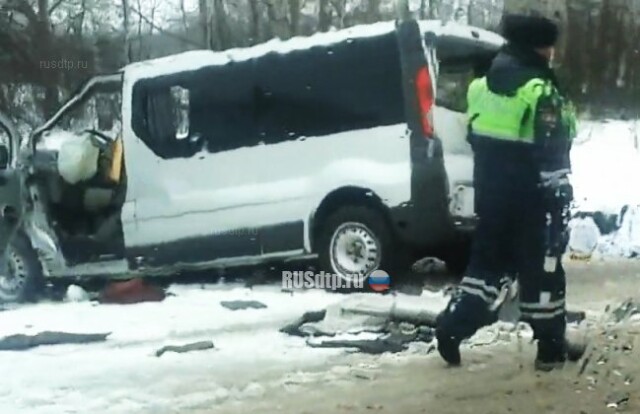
424, 89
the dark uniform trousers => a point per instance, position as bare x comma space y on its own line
510, 241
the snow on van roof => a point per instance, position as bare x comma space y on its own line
461, 30
193, 60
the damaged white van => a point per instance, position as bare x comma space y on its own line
346, 147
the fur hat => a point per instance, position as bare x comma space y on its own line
533, 32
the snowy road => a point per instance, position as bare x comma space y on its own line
123, 375
253, 368
252, 364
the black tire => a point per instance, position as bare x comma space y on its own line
21, 278
368, 219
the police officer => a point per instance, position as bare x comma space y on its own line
520, 128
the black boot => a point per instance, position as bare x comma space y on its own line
552, 354
449, 348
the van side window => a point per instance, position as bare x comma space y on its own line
323, 90
208, 109
154, 118
356, 84
453, 83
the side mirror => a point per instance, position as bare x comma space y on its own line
4, 157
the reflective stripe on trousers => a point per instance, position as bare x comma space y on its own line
478, 287
543, 311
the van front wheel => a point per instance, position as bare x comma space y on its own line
353, 242
20, 272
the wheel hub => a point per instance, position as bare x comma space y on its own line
13, 274
355, 250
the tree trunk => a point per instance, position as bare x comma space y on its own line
183, 12
373, 11
254, 33
294, 17
125, 28
324, 16
50, 76
339, 7
278, 23
222, 29
205, 26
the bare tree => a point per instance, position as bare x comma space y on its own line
324, 16
339, 6
50, 77
278, 22
183, 13
373, 11
126, 28
254, 31
205, 19
222, 29
422, 13
294, 17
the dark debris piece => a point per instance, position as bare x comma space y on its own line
24, 342
373, 346
309, 317
197, 346
576, 316
393, 343
617, 399
626, 310
243, 304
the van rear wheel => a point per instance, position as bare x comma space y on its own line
353, 242
20, 272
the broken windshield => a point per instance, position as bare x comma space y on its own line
96, 107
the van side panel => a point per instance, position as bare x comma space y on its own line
239, 193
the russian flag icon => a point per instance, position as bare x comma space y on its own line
379, 281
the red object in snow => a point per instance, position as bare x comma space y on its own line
130, 292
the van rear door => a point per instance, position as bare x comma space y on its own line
11, 183
428, 212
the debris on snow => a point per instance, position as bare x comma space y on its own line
243, 304
396, 341
609, 195
293, 328
131, 292
372, 324
625, 311
618, 399
196, 346
626, 241
76, 294
584, 238
22, 342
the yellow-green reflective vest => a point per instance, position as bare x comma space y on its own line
512, 118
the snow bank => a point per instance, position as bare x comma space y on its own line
606, 166
606, 179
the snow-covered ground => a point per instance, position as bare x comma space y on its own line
606, 166
606, 178
123, 375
